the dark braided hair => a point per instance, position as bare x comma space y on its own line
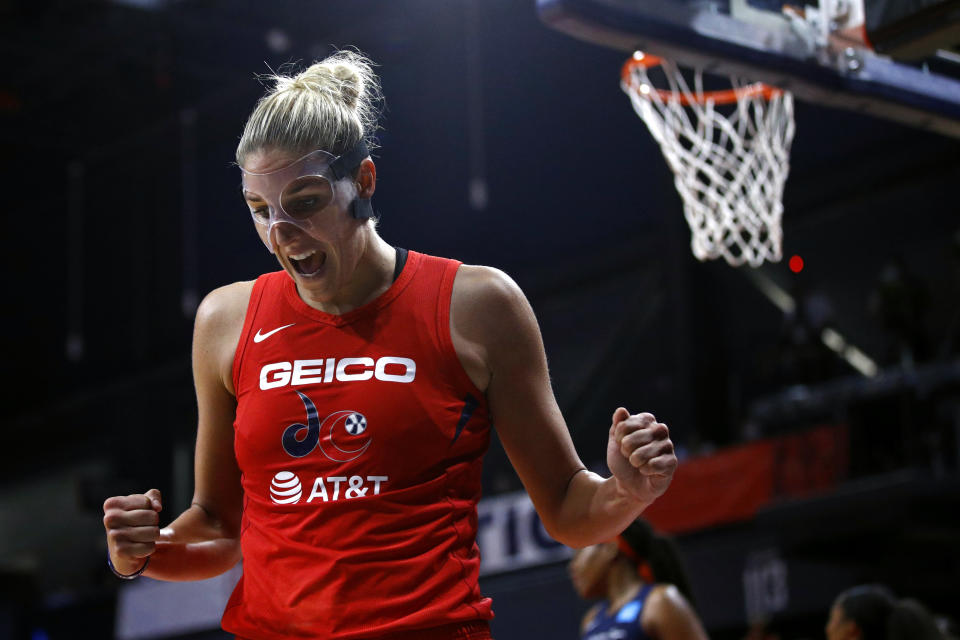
910, 620
661, 553
868, 606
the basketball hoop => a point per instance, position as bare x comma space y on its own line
730, 168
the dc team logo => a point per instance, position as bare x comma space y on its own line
355, 424
339, 436
285, 488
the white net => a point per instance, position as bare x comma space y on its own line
730, 168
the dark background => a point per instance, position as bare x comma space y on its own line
118, 126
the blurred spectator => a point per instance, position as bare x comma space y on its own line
872, 612
803, 358
910, 619
899, 301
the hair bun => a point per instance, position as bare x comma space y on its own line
331, 105
351, 84
343, 74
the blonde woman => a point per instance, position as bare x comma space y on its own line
345, 403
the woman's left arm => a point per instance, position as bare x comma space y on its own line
498, 340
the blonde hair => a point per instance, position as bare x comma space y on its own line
331, 105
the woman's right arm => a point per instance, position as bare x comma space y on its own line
204, 541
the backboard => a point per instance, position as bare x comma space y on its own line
802, 49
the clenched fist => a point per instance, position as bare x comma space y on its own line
640, 454
133, 529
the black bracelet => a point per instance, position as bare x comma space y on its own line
131, 576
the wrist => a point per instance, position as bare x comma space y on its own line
125, 575
627, 498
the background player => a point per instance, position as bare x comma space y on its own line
644, 590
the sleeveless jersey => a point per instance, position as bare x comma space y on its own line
359, 439
624, 624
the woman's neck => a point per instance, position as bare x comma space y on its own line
372, 276
623, 583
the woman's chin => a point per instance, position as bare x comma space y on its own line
317, 284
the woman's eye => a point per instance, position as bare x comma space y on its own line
305, 206
306, 203
261, 213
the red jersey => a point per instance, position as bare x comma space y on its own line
359, 439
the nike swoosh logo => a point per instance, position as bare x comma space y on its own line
260, 337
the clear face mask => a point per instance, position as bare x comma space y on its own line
301, 193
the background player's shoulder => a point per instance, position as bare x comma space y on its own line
666, 606
667, 593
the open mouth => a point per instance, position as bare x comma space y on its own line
308, 263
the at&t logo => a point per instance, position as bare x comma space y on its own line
286, 488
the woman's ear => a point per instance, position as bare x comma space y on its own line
366, 178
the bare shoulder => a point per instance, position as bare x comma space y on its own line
666, 595
225, 306
487, 310
487, 301
668, 614
217, 329
484, 285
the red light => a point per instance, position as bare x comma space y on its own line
796, 264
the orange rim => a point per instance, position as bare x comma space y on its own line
727, 96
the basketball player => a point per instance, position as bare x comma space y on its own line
345, 403
643, 589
